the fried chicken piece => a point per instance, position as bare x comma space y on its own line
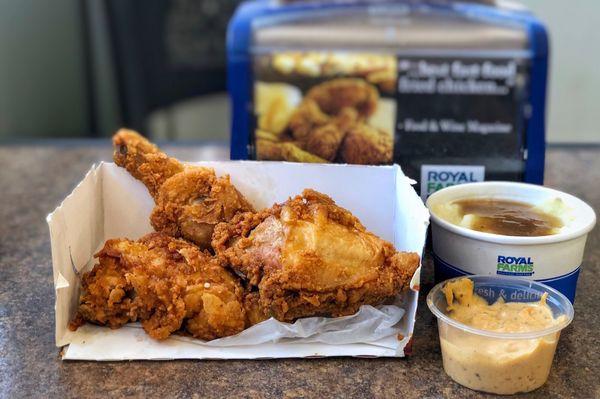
105, 299
366, 145
334, 95
284, 151
189, 205
190, 200
310, 257
144, 160
167, 284
254, 313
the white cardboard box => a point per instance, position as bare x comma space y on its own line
109, 203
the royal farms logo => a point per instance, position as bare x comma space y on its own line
515, 266
436, 177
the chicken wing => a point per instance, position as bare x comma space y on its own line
167, 284
190, 200
309, 257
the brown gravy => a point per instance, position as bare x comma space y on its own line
509, 218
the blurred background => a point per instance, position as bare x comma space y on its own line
83, 68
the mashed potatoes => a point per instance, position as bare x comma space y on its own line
504, 217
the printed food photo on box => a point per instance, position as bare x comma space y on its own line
396, 88
324, 107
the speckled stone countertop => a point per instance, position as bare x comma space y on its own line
35, 178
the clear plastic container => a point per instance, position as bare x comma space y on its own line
500, 362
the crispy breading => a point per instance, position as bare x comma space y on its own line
191, 203
143, 160
254, 313
167, 284
310, 257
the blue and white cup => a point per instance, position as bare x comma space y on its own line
554, 259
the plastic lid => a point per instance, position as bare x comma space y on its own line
555, 300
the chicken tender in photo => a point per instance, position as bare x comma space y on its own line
366, 145
309, 257
334, 95
324, 141
190, 200
328, 111
165, 283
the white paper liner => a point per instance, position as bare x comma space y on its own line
367, 325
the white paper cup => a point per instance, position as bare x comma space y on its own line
554, 260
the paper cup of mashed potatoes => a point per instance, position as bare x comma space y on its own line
510, 229
498, 334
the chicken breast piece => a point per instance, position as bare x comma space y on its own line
309, 257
